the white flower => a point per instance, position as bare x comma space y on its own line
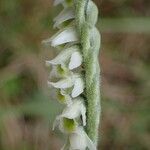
76, 109
64, 36
71, 112
74, 81
80, 141
71, 56
65, 15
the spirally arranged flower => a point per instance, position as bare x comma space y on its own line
75, 73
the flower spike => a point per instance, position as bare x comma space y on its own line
75, 73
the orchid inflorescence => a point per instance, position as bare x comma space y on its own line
75, 73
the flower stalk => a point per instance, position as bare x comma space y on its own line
75, 73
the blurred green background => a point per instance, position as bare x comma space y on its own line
26, 107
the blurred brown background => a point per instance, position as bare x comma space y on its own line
26, 107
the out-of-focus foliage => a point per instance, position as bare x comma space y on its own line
26, 107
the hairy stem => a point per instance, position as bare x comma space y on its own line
90, 50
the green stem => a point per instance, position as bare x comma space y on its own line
91, 66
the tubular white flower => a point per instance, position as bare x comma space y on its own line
64, 36
65, 15
74, 81
72, 112
80, 141
70, 56
75, 110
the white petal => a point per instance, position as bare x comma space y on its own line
76, 60
62, 84
66, 36
78, 87
62, 37
63, 56
73, 111
66, 14
83, 113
